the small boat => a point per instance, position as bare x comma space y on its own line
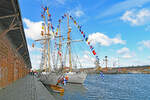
57, 88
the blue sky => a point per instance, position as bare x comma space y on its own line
116, 28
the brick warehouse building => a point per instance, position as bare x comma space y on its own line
14, 56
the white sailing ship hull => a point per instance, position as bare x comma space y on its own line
49, 78
76, 78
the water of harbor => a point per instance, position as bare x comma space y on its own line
111, 87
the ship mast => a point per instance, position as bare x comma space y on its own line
48, 50
46, 43
60, 45
69, 44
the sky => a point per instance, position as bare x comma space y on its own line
118, 29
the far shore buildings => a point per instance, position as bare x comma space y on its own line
119, 70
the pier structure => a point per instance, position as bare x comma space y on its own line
15, 81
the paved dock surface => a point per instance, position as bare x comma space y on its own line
27, 88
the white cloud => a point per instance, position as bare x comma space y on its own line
125, 53
33, 30
31, 49
104, 40
112, 62
35, 56
140, 48
35, 60
149, 57
123, 50
78, 13
147, 28
133, 62
137, 61
144, 43
125, 62
86, 60
136, 17
122, 6
61, 1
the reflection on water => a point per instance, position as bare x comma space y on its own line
76, 92
73, 88
112, 87
72, 92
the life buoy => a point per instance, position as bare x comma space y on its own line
66, 77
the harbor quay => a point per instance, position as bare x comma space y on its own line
27, 88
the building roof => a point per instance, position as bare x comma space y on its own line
11, 24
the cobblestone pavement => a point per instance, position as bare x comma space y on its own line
27, 88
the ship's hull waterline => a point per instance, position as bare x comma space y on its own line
76, 78
49, 78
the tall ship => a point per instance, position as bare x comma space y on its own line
75, 77
71, 56
59, 53
48, 74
